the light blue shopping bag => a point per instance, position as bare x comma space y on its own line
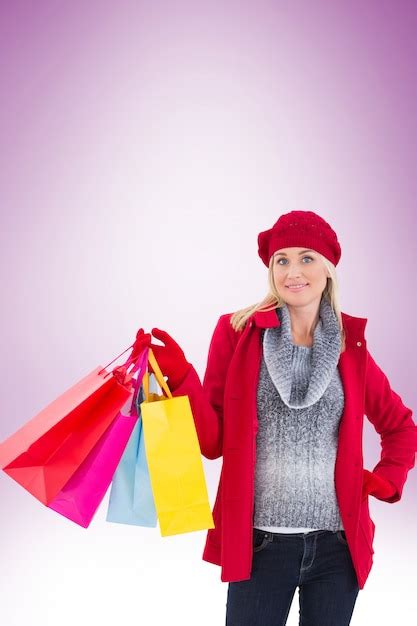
131, 499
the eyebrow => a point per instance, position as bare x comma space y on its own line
283, 253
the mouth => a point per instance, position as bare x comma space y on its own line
298, 287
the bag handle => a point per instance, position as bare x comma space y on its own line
125, 365
158, 375
141, 365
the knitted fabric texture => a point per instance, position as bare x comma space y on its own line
300, 402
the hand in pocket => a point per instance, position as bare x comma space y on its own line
376, 486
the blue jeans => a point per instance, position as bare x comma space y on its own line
318, 562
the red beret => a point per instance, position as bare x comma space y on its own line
298, 229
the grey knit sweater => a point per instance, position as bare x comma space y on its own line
300, 401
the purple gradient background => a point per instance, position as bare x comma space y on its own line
144, 146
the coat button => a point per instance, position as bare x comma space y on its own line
359, 343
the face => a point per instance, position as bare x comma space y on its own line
299, 266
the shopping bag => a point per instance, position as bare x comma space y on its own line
174, 460
46, 451
143, 500
80, 498
131, 499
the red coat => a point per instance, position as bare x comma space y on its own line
225, 413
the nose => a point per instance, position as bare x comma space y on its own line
293, 270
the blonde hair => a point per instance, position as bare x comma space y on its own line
273, 300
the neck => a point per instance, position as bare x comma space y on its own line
304, 320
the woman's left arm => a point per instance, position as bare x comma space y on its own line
393, 422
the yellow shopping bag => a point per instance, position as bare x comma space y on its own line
174, 460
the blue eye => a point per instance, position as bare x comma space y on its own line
304, 257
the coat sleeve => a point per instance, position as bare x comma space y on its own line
393, 422
207, 399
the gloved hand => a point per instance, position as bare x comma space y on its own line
170, 358
376, 486
143, 340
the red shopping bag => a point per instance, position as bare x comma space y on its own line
44, 453
80, 498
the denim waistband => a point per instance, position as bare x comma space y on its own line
272, 535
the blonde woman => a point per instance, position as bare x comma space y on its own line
287, 384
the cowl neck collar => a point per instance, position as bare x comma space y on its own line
278, 348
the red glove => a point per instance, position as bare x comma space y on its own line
376, 486
170, 358
142, 341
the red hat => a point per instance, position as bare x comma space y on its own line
300, 228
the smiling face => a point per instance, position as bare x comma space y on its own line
300, 275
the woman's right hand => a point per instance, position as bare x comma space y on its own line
143, 340
170, 358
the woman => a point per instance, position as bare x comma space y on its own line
287, 384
